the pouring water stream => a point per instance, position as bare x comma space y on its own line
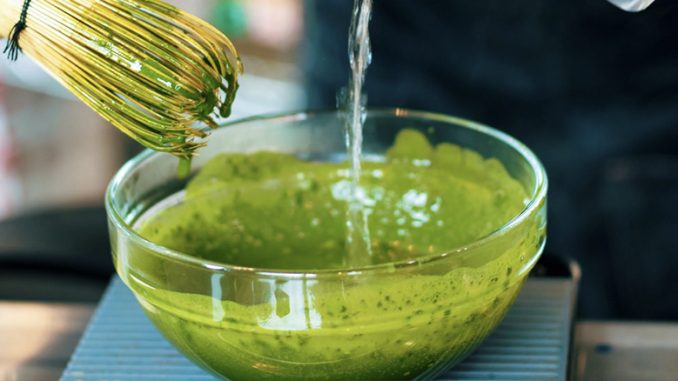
360, 55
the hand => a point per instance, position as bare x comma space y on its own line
632, 5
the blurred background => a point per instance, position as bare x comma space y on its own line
43, 165
57, 156
592, 89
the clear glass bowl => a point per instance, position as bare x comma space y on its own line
247, 323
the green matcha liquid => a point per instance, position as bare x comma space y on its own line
272, 210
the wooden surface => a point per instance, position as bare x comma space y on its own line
37, 339
625, 351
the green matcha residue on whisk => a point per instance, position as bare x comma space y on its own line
154, 71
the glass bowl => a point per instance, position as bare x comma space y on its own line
410, 319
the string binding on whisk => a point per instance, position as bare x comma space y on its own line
12, 49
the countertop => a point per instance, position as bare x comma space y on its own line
37, 339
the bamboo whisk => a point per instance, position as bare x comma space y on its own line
149, 68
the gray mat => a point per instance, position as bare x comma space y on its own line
532, 343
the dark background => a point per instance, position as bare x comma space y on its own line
593, 90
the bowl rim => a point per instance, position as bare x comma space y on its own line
536, 198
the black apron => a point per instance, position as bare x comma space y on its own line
591, 89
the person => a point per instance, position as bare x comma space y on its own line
593, 90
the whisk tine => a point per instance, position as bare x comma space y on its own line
149, 68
